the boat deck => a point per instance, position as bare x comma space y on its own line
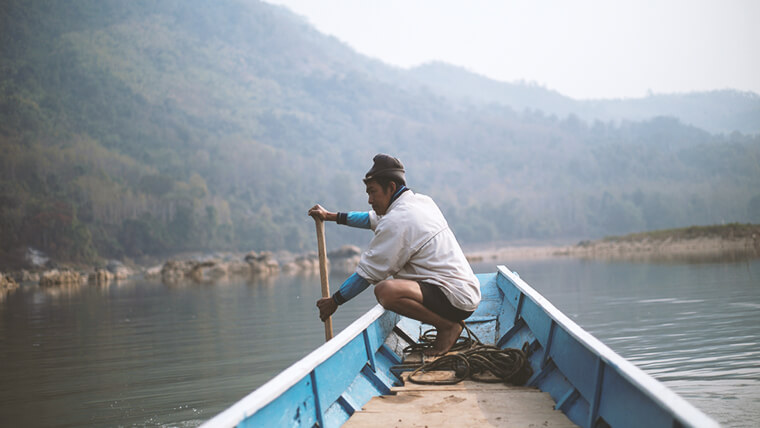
466, 404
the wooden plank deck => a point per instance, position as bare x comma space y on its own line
466, 404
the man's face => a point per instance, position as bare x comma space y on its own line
379, 198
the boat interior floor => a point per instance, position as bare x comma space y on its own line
464, 404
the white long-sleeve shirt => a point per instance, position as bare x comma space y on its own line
413, 241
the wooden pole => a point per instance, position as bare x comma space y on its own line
323, 272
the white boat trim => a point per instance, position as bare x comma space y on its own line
265, 394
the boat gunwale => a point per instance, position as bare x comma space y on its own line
275, 387
651, 387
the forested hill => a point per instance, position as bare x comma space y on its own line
145, 128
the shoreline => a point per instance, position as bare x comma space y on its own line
695, 244
646, 249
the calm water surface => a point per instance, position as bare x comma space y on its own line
147, 354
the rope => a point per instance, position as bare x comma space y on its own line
472, 359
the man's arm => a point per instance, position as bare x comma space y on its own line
355, 219
358, 219
350, 288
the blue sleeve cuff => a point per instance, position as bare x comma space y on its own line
339, 299
350, 288
358, 219
355, 219
342, 218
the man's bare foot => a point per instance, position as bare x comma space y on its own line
445, 339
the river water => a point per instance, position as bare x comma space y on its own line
142, 353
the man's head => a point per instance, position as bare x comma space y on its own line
383, 180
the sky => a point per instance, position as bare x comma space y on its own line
581, 48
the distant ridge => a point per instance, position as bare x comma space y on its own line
461, 84
720, 111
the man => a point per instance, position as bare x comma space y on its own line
431, 279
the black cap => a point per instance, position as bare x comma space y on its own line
385, 166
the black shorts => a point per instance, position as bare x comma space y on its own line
434, 299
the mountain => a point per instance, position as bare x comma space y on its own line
136, 129
462, 85
722, 111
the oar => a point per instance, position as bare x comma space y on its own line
323, 272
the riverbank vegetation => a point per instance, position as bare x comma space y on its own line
140, 129
732, 241
726, 232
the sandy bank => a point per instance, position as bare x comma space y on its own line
643, 249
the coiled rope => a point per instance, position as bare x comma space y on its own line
472, 359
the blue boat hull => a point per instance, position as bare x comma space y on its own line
589, 382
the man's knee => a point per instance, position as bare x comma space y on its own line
387, 291
390, 291
383, 291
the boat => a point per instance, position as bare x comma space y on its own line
586, 381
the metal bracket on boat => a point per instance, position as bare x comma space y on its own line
570, 396
398, 369
375, 380
317, 404
518, 309
347, 406
519, 323
594, 410
402, 334
543, 371
368, 348
548, 347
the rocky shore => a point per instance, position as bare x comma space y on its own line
253, 264
704, 243
195, 268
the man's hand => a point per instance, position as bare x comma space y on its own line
327, 307
318, 212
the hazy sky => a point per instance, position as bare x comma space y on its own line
581, 48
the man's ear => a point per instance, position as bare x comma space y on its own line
394, 187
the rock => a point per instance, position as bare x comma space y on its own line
262, 264
345, 258
208, 270
57, 278
238, 267
100, 277
307, 263
24, 276
217, 270
176, 270
290, 267
153, 272
119, 270
198, 269
7, 283
27, 276
345, 252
